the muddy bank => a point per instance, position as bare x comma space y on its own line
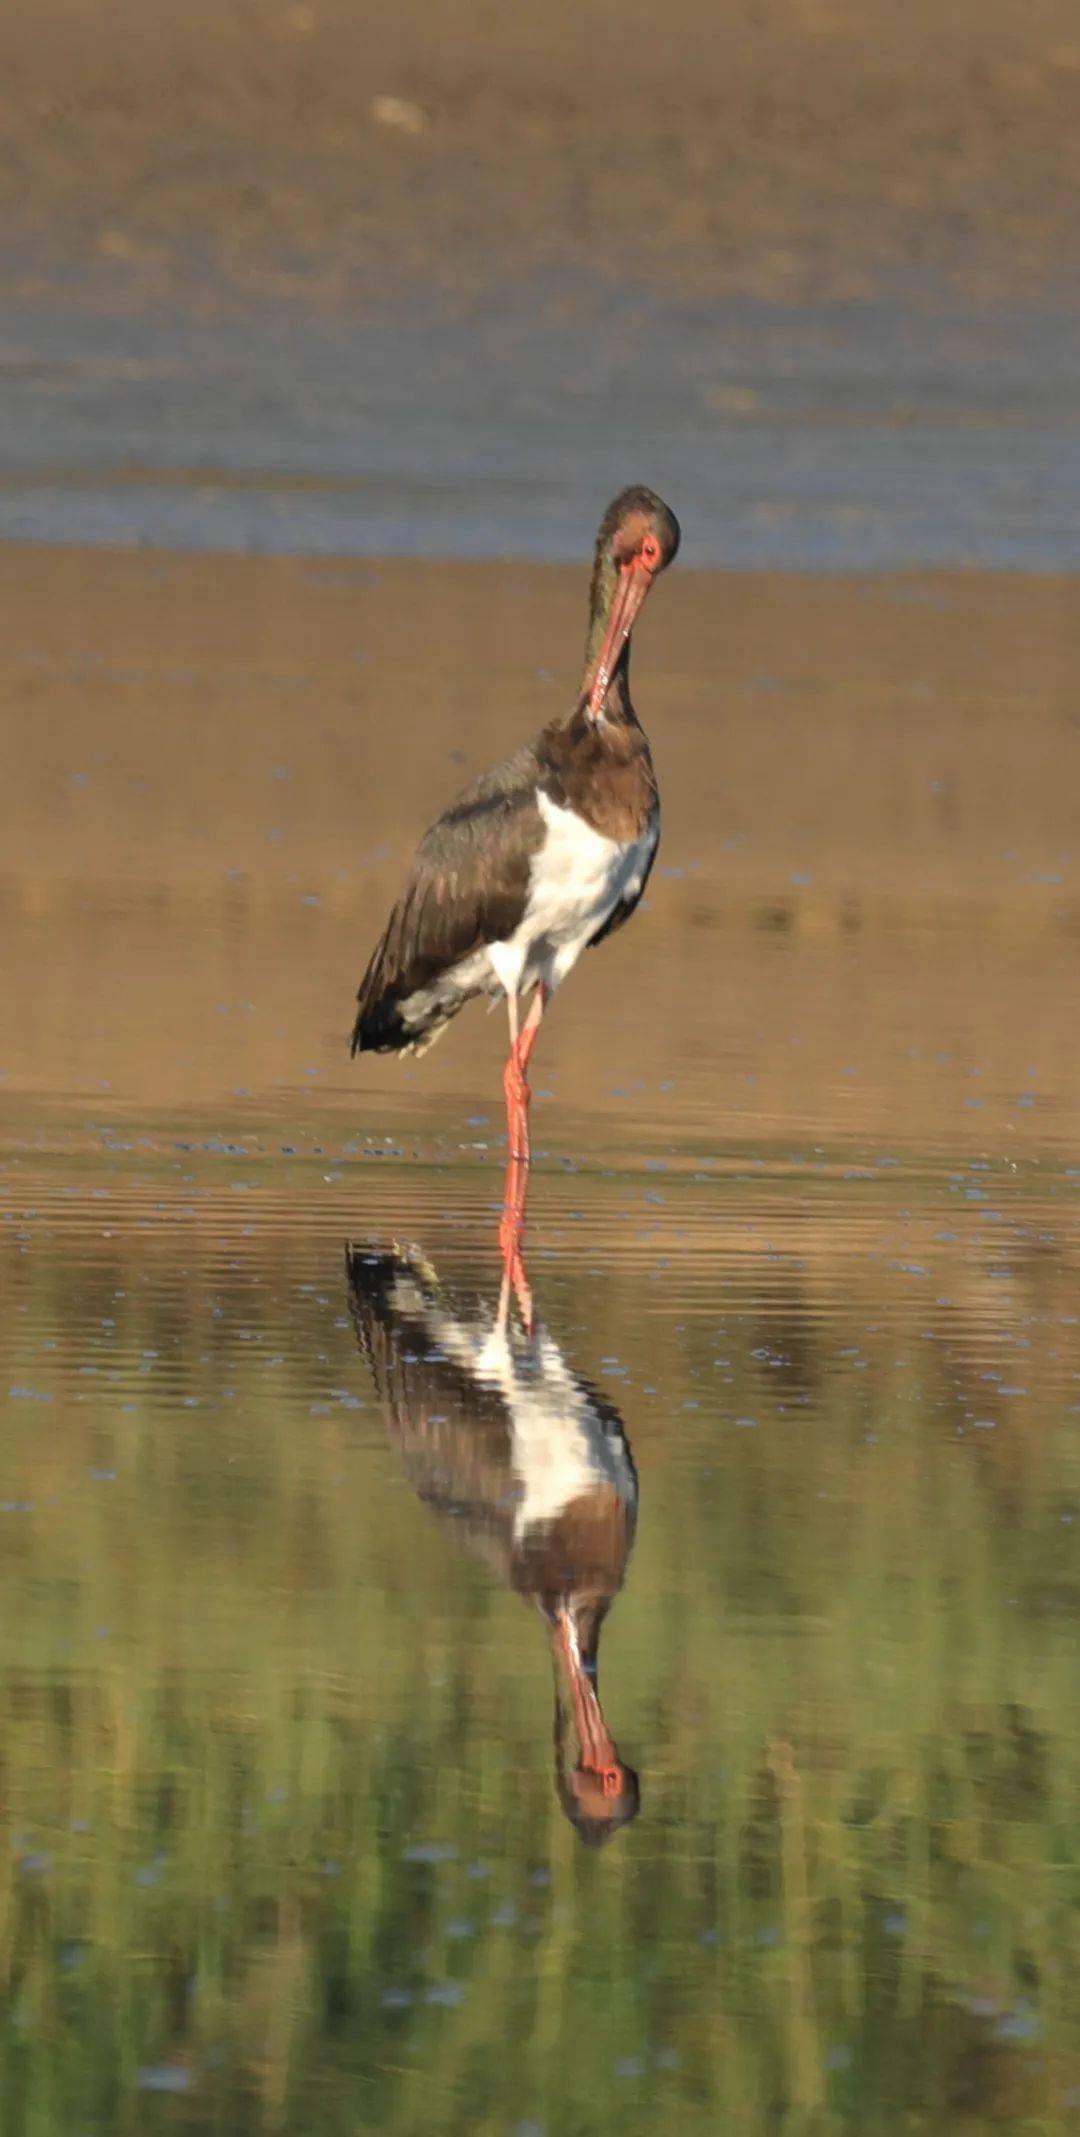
800, 149
863, 919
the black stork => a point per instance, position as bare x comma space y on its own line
531, 1469
540, 857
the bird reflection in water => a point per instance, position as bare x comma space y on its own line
533, 1470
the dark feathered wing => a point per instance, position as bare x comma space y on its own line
451, 1428
452, 1424
468, 886
620, 913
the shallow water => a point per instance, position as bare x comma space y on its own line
286, 1809
882, 433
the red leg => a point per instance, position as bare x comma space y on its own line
515, 1074
515, 1192
531, 1026
512, 1225
511, 1230
516, 1088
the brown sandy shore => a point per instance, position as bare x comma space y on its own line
864, 918
792, 148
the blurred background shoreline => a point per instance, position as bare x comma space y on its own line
788, 149
302, 277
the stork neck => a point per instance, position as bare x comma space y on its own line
605, 586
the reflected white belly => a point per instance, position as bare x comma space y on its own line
562, 1448
564, 1444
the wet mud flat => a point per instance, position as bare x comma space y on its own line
289, 1762
802, 148
863, 918
372, 282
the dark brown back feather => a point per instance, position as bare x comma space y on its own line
603, 769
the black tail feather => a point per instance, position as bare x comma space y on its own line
379, 1028
395, 979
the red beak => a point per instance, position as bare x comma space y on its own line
635, 580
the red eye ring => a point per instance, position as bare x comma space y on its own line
650, 551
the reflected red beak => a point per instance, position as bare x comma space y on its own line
635, 580
598, 1751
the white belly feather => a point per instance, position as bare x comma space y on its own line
577, 879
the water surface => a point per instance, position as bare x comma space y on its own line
286, 1836
892, 431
